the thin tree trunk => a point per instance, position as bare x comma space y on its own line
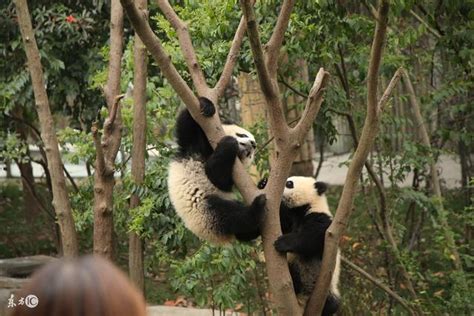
60, 195
107, 147
135, 251
435, 184
26, 170
369, 133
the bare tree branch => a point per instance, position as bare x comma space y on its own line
313, 104
388, 91
109, 123
335, 230
268, 89
153, 44
186, 46
231, 59
267, 84
378, 283
274, 44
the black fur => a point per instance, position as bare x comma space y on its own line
226, 216
320, 187
190, 137
220, 164
306, 238
207, 107
233, 217
331, 305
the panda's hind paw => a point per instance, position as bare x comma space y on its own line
259, 202
207, 107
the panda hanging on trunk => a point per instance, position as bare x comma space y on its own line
200, 181
304, 219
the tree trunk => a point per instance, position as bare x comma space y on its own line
107, 147
26, 170
135, 252
60, 195
435, 184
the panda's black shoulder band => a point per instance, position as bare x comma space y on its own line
320, 187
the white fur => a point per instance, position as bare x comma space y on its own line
246, 150
188, 186
304, 192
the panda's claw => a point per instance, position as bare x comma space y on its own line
262, 183
207, 107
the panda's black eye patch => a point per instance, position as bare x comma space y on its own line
289, 184
241, 135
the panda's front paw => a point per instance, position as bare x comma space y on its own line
284, 244
207, 107
227, 146
262, 183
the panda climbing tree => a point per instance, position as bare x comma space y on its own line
200, 181
286, 139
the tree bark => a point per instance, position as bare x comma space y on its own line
107, 147
135, 252
435, 184
61, 203
369, 133
26, 170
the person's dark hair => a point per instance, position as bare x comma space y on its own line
89, 286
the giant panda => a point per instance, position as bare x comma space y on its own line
200, 181
305, 217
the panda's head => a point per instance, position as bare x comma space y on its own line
247, 144
300, 191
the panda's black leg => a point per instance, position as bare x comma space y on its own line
331, 305
219, 165
296, 278
234, 218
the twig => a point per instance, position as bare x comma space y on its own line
378, 283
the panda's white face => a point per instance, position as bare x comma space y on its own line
247, 144
306, 190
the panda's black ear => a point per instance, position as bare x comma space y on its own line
320, 187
